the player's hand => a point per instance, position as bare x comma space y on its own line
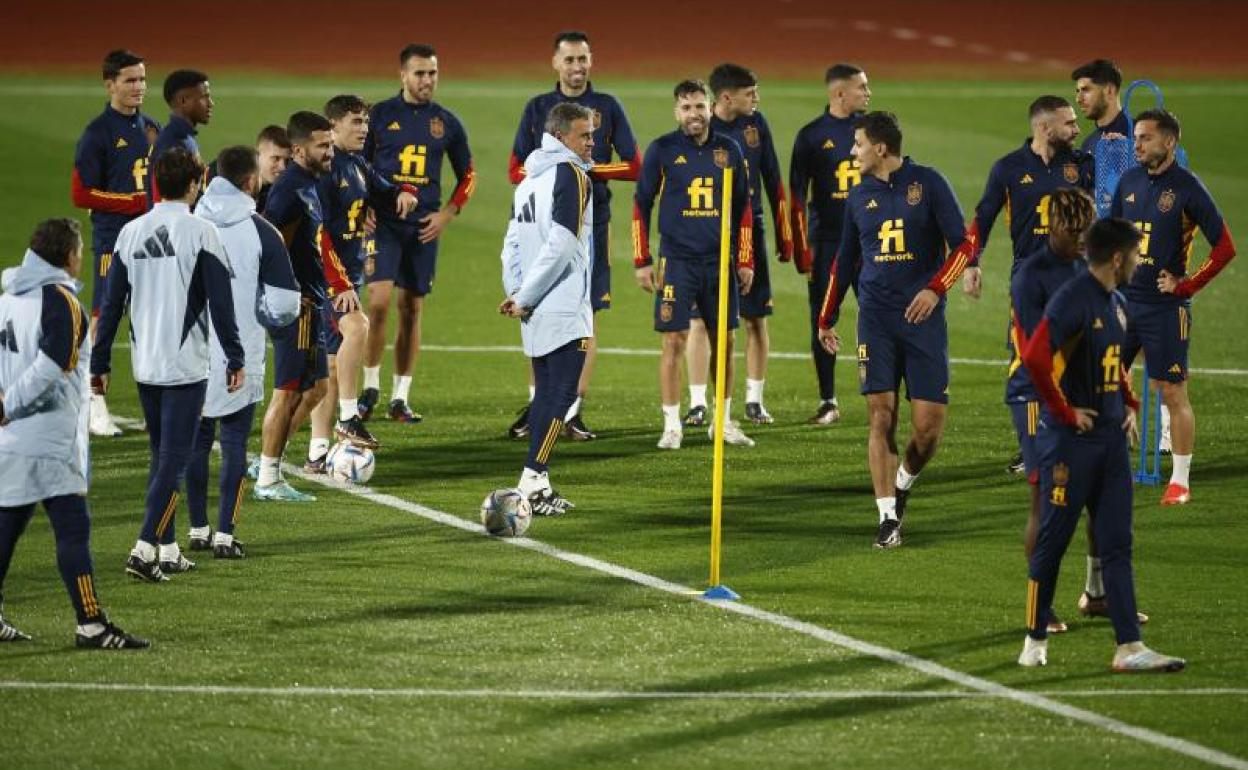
1084, 419
921, 306
434, 224
745, 279
404, 204
234, 379
370, 222
645, 278
830, 340
973, 282
1131, 426
99, 384
510, 308
1166, 283
347, 302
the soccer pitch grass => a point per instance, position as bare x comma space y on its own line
447, 649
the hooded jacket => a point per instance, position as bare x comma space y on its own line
43, 374
263, 286
546, 253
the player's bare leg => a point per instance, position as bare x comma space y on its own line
375, 346
697, 362
406, 349
344, 391
669, 387
882, 460
323, 422
757, 349
279, 419
1182, 440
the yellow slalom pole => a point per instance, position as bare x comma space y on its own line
717, 590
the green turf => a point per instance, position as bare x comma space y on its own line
348, 593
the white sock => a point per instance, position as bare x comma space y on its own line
573, 410
905, 480
317, 449
402, 384
1179, 470
372, 377
200, 532
754, 391
270, 468
98, 402
91, 629
532, 393
144, 550
170, 552
530, 481
1165, 423
222, 538
1094, 587
671, 418
831, 401
697, 395
348, 408
887, 507
727, 409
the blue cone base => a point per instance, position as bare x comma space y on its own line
722, 593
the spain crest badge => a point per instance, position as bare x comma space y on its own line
751, 136
1165, 201
720, 156
437, 129
914, 193
1070, 172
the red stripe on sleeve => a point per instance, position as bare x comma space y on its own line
803, 257
466, 187
745, 239
623, 171
95, 199
955, 263
829, 307
515, 169
641, 239
977, 247
335, 274
1038, 358
1223, 252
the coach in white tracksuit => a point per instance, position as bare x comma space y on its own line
546, 275
266, 296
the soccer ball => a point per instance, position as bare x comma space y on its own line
506, 513
348, 462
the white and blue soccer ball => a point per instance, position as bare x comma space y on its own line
348, 462
506, 513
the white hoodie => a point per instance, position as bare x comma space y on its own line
546, 253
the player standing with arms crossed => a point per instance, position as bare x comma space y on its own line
573, 61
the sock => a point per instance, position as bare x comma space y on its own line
697, 395
317, 449
727, 409
1094, 586
269, 467
573, 410
91, 629
831, 401
402, 384
170, 552
1165, 423
887, 507
372, 377
905, 480
200, 532
532, 393
754, 391
145, 551
1178, 472
223, 538
671, 418
348, 408
530, 481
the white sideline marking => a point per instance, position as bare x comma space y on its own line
592, 695
935, 670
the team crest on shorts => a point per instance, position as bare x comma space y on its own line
665, 311
1061, 474
437, 129
720, 156
1070, 172
370, 265
751, 136
1166, 201
914, 193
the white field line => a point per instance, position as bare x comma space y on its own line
835, 638
428, 693
450, 93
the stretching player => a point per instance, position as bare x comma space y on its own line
170, 264
573, 61
408, 137
265, 296
1167, 203
190, 105
300, 368
735, 115
43, 432
110, 180
345, 193
822, 171
898, 222
1021, 184
683, 173
1075, 360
